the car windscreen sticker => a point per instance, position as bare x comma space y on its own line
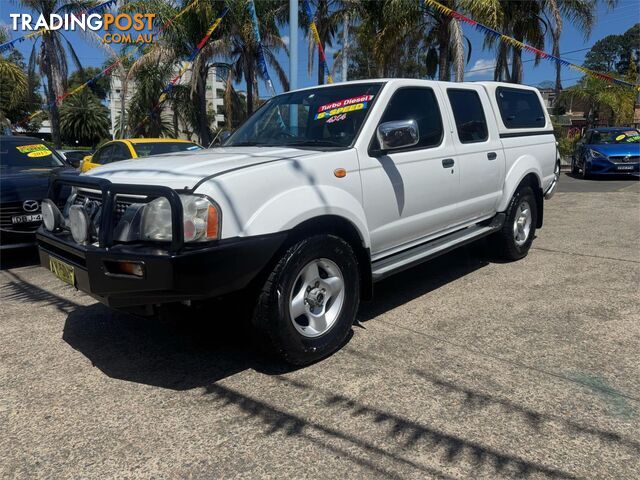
341, 107
620, 137
34, 150
345, 102
195, 147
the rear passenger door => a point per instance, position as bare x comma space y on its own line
481, 160
409, 194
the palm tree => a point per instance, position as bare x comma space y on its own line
84, 118
145, 112
522, 20
51, 57
237, 45
580, 13
13, 81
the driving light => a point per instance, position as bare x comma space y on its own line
51, 216
79, 224
200, 216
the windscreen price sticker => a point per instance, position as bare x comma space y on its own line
341, 110
34, 150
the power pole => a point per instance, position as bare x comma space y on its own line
345, 46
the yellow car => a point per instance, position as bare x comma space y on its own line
135, 148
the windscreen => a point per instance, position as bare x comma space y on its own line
148, 148
321, 117
609, 137
27, 154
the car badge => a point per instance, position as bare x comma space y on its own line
30, 206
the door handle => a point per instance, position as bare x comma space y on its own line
492, 155
448, 162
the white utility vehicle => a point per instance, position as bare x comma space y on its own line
318, 195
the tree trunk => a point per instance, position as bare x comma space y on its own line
176, 126
54, 113
123, 107
321, 65
204, 133
444, 72
516, 65
555, 33
249, 74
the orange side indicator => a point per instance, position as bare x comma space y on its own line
212, 222
340, 172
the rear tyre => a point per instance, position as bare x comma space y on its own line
513, 240
309, 302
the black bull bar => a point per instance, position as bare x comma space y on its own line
109, 192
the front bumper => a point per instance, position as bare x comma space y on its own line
604, 166
16, 239
194, 273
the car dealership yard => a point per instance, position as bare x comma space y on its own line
467, 368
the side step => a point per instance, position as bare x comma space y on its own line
413, 256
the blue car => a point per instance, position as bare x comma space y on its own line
26, 164
607, 151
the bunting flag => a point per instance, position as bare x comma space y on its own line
262, 64
316, 37
97, 9
523, 46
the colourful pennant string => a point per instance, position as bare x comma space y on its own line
523, 46
262, 64
316, 37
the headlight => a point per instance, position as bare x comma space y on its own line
596, 154
51, 216
200, 216
79, 224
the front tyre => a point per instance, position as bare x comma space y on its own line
514, 239
309, 302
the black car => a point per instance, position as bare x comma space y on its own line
26, 163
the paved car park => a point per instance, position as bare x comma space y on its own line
466, 368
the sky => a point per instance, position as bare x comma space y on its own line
574, 47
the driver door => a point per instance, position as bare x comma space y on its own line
410, 194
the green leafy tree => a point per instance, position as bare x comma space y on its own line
100, 88
614, 53
19, 98
84, 119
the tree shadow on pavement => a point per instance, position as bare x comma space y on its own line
179, 351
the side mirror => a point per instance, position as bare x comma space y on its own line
398, 134
75, 163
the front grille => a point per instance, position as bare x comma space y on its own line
625, 158
121, 202
9, 210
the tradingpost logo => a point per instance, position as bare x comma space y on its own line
120, 28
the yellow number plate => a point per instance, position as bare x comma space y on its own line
61, 270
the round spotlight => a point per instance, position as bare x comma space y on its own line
79, 224
51, 216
